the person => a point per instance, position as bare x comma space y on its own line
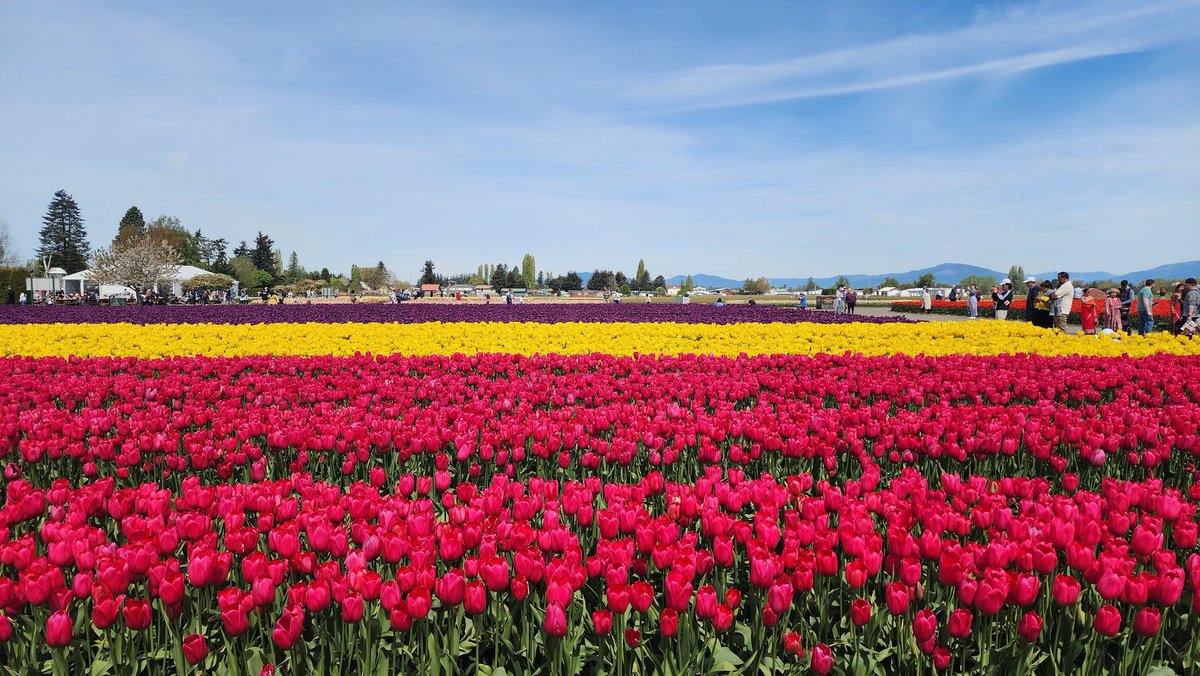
954, 293
353, 296
973, 302
752, 302
851, 301
1112, 311
1031, 293
1145, 308
1088, 313
1125, 293
1002, 297
1189, 307
1177, 306
803, 300
719, 303
508, 297
926, 301
520, 300
1041, 305
839, 300
1064, 296
24, 298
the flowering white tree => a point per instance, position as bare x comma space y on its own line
138, 262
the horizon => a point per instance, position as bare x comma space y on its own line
770, 137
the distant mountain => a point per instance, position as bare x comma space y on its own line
1169, 271
707, 281
948, 273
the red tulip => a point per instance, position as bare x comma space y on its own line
136, 613
1030, 626
633, 638
897, 598
195, 648
556, 620
1108, 621
352, 607
1146, 622
941, 659
860, 611
475, 600
959, 625
1066, 590
59, 628
792, 644
924, 625
602, 621
669, 622
822, 658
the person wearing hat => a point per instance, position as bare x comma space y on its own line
1002, 297
1031, 288
1112, 311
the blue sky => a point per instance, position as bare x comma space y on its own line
776, 138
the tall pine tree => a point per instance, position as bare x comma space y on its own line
263, 254
63, 236
132, 226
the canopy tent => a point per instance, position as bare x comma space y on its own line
81, 281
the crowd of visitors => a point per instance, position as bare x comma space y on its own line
1048, 305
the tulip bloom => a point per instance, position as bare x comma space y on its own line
59, 628
1146, 622
822, 658
195, 648
556, 620
136, 613
792, 644
860, 611
602, 621
959, 625
669, 622
1108, 621
1030, 626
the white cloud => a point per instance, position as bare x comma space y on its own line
994, 46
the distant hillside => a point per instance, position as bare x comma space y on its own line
946, 273
1169, 271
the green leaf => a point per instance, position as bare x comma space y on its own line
253, 657
723, 654
1161, 670
101, 667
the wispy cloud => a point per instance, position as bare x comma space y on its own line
1017, 41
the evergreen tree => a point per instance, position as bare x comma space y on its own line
641, 281
541, 279
659, 282
294, 271
889, 281
132, 225
842, 281
811, 285
572, 281
63, 236
515, 279
263, 254
428, 276
1017, 274
688, 284
241, 250
528, 271
220, 264
499, 278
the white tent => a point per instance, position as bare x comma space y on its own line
80, 281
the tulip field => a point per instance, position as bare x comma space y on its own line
559, 489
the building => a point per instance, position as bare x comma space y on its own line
464, 289
431, 289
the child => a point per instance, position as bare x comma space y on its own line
1112, 311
